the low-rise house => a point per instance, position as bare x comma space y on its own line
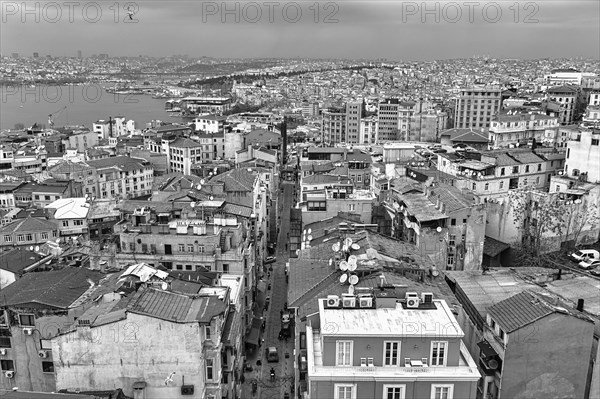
16, 262
70, 215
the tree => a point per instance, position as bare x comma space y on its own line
537, 214
576, 217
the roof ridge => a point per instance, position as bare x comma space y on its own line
313, 289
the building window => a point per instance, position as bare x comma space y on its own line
207, 331
595, 141
442, 391
65, 223
7, 365
359, 178
78, 222
452, 240
393, 391
391, 353
188, 267
486, 187
502, 171
20, 238
515, 170
190, 248
501, 185
539, 167
27, 320
438, 350
351, 207
48, 367
181, 247
132, 246
344, 353
225, 268
44, 236
210, 366
474, 186
201, 248
7, 239
526, 168
179, 267
344, 391
452, 222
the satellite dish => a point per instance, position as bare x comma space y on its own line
353, 279
355, 247
396, 205
199, 186
343, 278
57, 240
202, 181
215, 170
193, 205
439, 229
37, 248
330, 261
335, 247
31, 248
310, 238
303, 245
348, 242
164, 286
435, 273
352, 259
309, 230
352, 266
297, 252
211, 197
343, 265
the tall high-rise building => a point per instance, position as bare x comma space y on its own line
36, 55
387, 115
476, 106
353, 116
79, 54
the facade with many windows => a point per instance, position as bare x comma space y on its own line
390, 344
120, 177
476, 106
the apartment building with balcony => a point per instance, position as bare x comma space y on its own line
29, 231
333, 126
567, 96
208, 236
383, 344
492, 174
121, 177
517, 129
368, 130
182, 154
442, 221
476, 106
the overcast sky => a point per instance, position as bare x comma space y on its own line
356, 29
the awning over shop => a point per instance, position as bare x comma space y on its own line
487, 349
254, 334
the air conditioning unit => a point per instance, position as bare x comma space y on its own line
427, 297
412, 302
28, 331
43, 354
187, 389
333, 301
411, 295
9, 374
365, 302
349, 301
3, 351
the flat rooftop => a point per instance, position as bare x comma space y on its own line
396, 322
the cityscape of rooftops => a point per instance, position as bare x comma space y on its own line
311, 200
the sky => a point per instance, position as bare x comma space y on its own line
394, 30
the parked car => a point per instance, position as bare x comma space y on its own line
272, 354
596, 271
584, 255
589, 264
270, 259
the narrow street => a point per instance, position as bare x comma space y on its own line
284, 368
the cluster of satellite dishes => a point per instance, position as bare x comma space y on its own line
468, 172
306, 239
36, 248
350, 264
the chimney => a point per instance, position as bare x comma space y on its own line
580, 305
437, 202
381, 281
